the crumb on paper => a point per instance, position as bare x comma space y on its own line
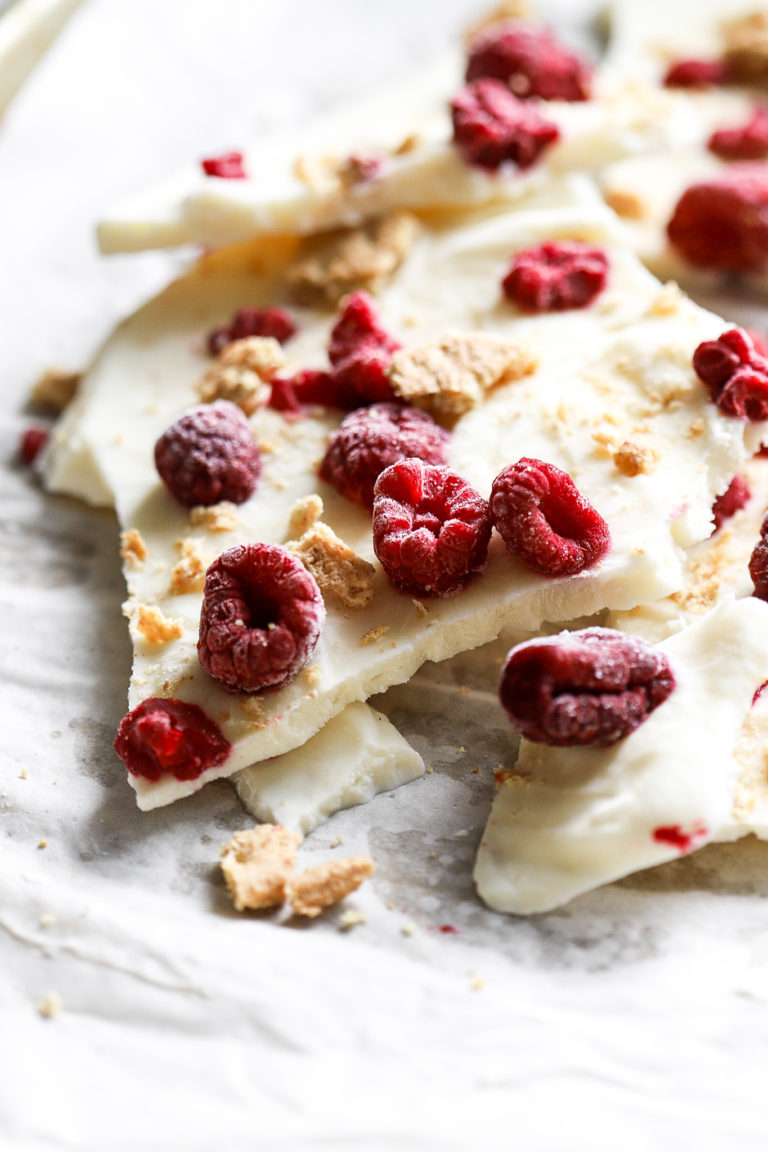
430, 769
188, 575
221, 517
631, 460
241, 372
155, 626
332, 265
374, 634
55, 389
50, 1007
46, 919
407, 928
350, 918
23, 774
317, 888
257, 864
42, 844
477, 982
304, 513
132, 547
452, 373
626, 204
337, 840
338, 570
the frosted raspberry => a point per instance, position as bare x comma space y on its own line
430, 528
275, 322
491, 126
696, 74
594, 686
370, 439
556, 276
261, 618
228, 166
736, 496
530, 61
748, 141
361, 351
545, 521
170, 737
735, 373
209, 455
722, 223
32, 442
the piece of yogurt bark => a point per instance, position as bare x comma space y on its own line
613, 374
569, 820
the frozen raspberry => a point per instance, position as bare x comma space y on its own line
162, 737
209, 455
696, 74
735, 373
32, 442
229, 166
722, 223
275, 322
370, 439
748, 141
530, 61
736, 496
556, 276
261, 618
361, 352
545, 521
595, 686
678, 838
430, 528
758, 563
491, 126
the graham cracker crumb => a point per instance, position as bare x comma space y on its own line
317, 172
312, 676
132, 547
337, 840
332, 265
631, 460
43, 844
253, 706
705, 573
338, 570
303, 515
421, 609
241, 371
319, 887
221, 517
23, 774
451, 374
374, 634
408, 144
605, 442
745, 42
668, 300
46, 919
626, 204
155, 627
407, 928
257, 864
696, 427
50, 1007
508, 10
189, 574
350, 918
55, 389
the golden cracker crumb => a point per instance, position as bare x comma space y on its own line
43, 844
304, 513
350, 918
54, 389
50, 1007
338, 570
408, 144
696, 427
337, 840
430, 769
253, 706
46, 919
421, 609
626, 204
257, 864
745, 42
23, 774
507, 10
221, 517
631, 460
407, 928
132, 547
374, 634
241, 371
668, 300
188, 575
155, 627
317, 888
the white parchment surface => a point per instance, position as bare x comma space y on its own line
635, 1018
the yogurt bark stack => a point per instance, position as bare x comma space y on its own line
400, 248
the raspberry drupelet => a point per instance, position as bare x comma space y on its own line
556, 276
530, 61
209, 455
430, 528
591, 687
261, 618
170, 737
492, 127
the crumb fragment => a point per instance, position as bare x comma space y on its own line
338, 570
241, 371
317, 888
507, 10
46, 919
477, 982
43, 844
257, 864
188, 575
54, 390
408, 144
407, 928
668, 300
350, 918
332, 265
155, 626
132, 547
626, 204
253, 707
337, 840
221, 517
304, 513
451, 374
49, 1007
374, 634
421, 608
23, 774
631, 460
745, 41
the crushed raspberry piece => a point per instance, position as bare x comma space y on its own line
556, 276
359, 168
722, 223
261, 618
430, 528
674, 835
545, 521
361, 352
530, 61
32, 442
209, 455
735, 373
228, 166
370, 439
736, 496
491, 126
161, 737
696, 74
275, 322
595, 686
748, 141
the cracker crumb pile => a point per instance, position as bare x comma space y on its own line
54, 390
241, 371
340, 573
132, 547
317, 888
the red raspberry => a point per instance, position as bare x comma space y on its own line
261, 618
595, 687
758, 563
370, 439
530, 61
696, 74
491, 126
209, 455
361, 352
748, 141
275, 322
736, 496
735, 374
430, 528
545, 521
228, 166
162, 737
722, 223
32, 442
556, 276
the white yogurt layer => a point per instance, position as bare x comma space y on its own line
571, 819
619, 371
